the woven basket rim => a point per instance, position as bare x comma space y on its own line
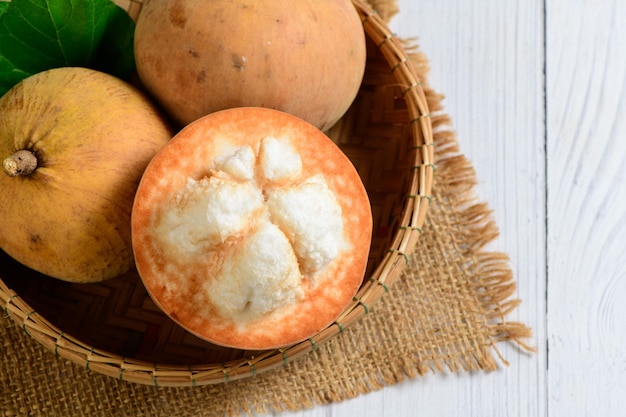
403, 242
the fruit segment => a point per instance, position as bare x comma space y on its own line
277, 244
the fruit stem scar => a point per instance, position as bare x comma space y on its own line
22, 162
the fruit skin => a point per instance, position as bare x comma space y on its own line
304, 57
192, 153
92, 135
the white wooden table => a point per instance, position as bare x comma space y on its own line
537, 93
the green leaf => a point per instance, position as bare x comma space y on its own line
36, 35
3, 5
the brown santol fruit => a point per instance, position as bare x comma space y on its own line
304, 57
251, 229
74, 143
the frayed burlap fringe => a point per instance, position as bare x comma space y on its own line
385, 8
487, 274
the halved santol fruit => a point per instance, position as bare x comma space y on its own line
74, 143
251, 229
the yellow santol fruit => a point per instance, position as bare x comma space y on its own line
74, 144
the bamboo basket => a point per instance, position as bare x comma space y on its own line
114, 328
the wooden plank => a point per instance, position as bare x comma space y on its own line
586, 86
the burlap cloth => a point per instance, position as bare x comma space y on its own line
446, 313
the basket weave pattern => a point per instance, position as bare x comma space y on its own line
115, 329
